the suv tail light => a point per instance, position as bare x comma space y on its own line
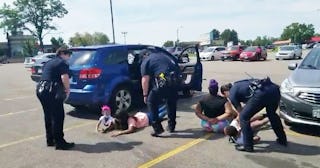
91, 73
33, 70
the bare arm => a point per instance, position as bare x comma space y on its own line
97, 126
228, 112
198, 111
131, 129
145, 84
66, 83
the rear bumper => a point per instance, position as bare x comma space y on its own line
86, 98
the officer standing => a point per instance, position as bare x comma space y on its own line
159, 82
52, 90
256, 94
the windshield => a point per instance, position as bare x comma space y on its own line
81, 57
251, 49
208, 50
287, 48
312, 60
170, 49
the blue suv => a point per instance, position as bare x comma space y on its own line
110, 74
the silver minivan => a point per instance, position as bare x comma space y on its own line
300, 92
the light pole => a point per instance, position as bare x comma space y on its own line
178, 35
124, 36
112, 22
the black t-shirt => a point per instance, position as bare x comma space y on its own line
213, 106
53, 70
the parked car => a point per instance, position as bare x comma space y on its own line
289, 52
250, 54
300, 92
232, 52
174, 50
105, 75
212, 53
316, 45
39, 59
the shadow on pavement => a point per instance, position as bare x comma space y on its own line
292, 148
83, 113
105, 147
192, 133
186, 104
306, 129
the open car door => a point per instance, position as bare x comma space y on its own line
191, 68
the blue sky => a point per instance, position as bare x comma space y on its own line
156, 21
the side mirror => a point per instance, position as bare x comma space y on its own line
292, 66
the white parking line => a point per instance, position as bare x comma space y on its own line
17, 98
18, 112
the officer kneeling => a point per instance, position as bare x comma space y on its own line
160, 77
256, 94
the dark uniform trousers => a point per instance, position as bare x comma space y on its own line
155, 98
268, 97
53, 114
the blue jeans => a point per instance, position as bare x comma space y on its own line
268, 97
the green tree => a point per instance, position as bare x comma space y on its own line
10, 20
298, 33
262, 41
168, 44
35, 16
215, 34
229, 35
56, 43
88, 39
29, 48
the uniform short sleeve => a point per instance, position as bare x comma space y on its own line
145, 67
233, 97
132, 122
64, 68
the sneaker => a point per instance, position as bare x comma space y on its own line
157, 129
170, 129
65, 146
282, 142
50, 143
243, 148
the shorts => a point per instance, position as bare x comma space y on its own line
218, 128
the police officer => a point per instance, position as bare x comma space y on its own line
52, 90
159, 82
256, 94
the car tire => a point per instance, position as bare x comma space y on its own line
294, 56
212, 58
121, 99
277, 58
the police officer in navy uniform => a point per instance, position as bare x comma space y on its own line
159, 82
256, 94
52, 89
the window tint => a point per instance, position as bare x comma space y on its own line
81, 57
116, 56
312, 60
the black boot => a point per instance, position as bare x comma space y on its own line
50, 143
64, 145
157, 129
244, 148
282, 142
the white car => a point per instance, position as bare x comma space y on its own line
289, 52
38, 59
212, 53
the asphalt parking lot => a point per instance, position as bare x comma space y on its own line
22, 142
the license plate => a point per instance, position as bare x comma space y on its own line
40, 70
316, 113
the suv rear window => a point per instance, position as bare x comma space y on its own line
81, 57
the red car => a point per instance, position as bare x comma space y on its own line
232, 52
251, 53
